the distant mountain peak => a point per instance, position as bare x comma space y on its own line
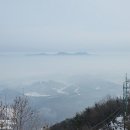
67, 53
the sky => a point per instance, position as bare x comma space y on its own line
64, 25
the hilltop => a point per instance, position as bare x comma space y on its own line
105, 115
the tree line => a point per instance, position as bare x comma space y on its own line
92, 118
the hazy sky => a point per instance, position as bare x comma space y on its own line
64, 24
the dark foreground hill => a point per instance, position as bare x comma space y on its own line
99, 116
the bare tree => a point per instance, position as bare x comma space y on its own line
21, 113
3, 115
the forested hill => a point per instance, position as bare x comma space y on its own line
101, 115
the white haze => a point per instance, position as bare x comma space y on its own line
106, 66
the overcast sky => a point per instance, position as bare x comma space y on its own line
64, 24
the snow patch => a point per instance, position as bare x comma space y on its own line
118, 125
35, 94
77, 91
61, 91
98, 88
